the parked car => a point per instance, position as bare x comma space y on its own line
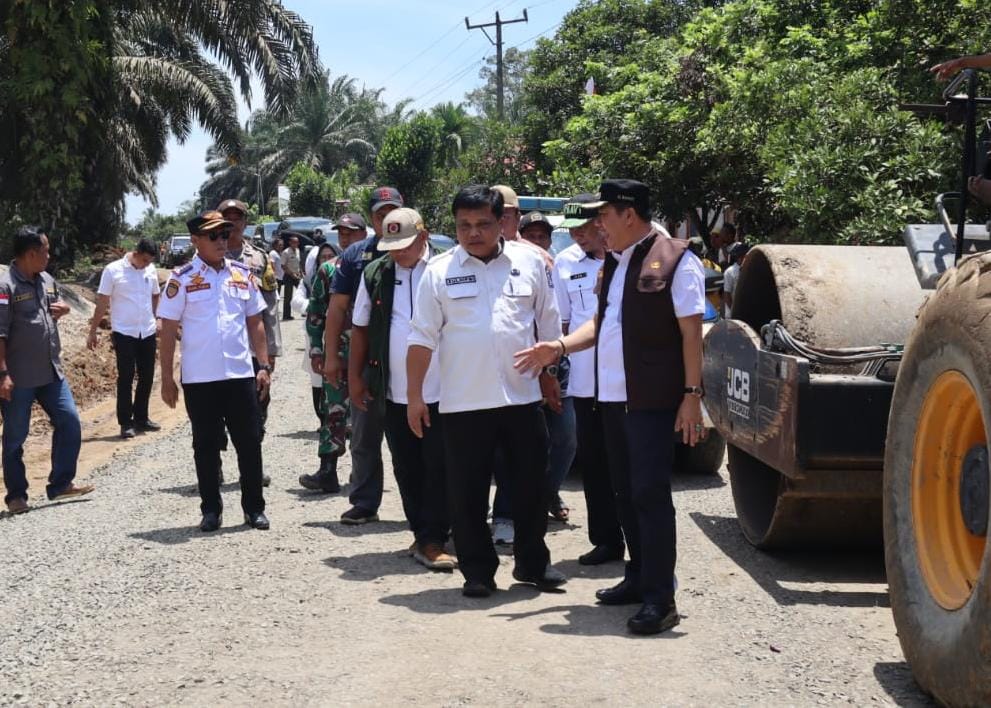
178, 250
266, 233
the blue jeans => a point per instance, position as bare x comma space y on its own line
562, 431
56, 400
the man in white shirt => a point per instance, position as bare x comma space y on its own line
475, 306
576, 271
384, 310
275, 257
292, 271
737, 254
219, 305
647, 335
129, 289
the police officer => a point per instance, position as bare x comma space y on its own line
647, 336
367, 428
476, 305
219, 305
31, 370
576, 271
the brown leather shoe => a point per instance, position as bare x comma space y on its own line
74, 490
432, 556
18, 506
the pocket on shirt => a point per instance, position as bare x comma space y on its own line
514, 289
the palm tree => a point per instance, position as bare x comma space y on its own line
174, 61
458, 132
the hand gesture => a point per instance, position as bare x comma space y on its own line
92, 341
170, 392
946, 70
333, 370
358, 393
59, 309
6, 387
417, 415
263, 383
537, 357
689, 420
550, 389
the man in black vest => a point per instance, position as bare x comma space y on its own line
648, 372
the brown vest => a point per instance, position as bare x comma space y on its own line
652, 353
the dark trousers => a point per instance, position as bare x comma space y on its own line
133, 355
603, 521
288, 283
640, 448
470, 441
211, 406
419, 467
367, 471
316, 393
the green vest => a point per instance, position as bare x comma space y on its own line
380, 280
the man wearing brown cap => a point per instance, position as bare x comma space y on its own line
258, 262
647, 335
384, 311
219, 305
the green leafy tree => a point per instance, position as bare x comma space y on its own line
408, 157
485, 100
310, 192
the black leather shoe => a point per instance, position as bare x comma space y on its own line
626, 593
552, 578
654, 619
210, 521
473, 588
127, 433
257, 520
149, 426
601, 554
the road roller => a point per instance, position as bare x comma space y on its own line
853, 389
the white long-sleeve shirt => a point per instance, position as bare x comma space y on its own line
475, 316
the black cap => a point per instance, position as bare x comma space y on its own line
535, 217
737, 250
623, 191
351, 220
383, 196
577, 212
207, 221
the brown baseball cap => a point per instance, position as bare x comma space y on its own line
207, 221
509, 198
400, 229
233, 204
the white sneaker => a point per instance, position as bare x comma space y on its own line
502, 532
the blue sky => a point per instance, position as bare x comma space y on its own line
421, 51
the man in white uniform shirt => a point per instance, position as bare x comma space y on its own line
219, 305
384, 310
476, 305
576, 270
647, 335
129, 289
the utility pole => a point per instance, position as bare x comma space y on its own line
500, 80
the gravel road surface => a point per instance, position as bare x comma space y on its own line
117, 599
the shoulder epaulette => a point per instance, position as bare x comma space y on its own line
241, 265
184, 269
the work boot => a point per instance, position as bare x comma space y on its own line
324, 479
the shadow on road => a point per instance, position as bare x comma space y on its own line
184, 534
696, 482
301, 435
191, 490
50, 505
589, 621
372, 566
444, 601
771, 570
896, 679
608, 573
346, 531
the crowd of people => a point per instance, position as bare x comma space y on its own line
493, 359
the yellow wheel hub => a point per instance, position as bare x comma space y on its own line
950, 425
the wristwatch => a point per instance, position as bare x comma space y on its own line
265, 367
551, 370
694, 391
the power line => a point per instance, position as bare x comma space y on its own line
430, 72
498, 24
446, 83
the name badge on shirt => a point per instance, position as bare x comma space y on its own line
367, 256
578, 276
23, 296
460, 280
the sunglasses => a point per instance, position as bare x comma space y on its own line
217, 233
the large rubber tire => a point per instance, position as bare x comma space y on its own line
704, 459
947, 643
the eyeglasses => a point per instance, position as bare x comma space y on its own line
217, 233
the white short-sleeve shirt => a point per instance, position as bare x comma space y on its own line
575, 274
687, 293
213, 306
130, 291
475, 316
400, 326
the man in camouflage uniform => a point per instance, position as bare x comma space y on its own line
334, 404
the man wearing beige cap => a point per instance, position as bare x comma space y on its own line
382, 320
